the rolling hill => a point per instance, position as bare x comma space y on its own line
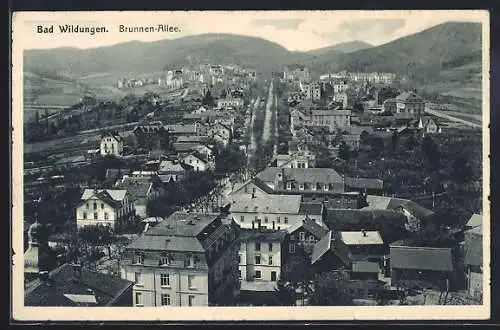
346, 47
154, 56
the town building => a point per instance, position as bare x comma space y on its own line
173, 170
426, 267
140, 193
71, 285
411, 103
107, 207
188, 259
364, 245
472, 251
312, 91
333, 119
261, 255
304, 235
301, 180
329, 254
199, 162
295, 160
272, 211
111, 144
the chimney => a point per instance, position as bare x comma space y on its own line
43, 276
77, 271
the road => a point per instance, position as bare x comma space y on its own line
266, 133
444, 115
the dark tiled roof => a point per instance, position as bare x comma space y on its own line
365, 267
135, 189
346, 219
421, 258
51, 293
265, 235
364, 183
311, 208
311, 226
268, 174
331, 242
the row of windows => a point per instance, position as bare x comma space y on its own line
258, 260
308, 186
96, 215
138, 259
165, 299
266, 219
165, 280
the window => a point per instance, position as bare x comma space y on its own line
239, 274
291, 248
164, 261
191, 300
273, 276
95, 206
270, 245
270, 260
257, 246
137, 278
239, 259
95, 216
106, 216
138, 299
165, 299
302, 236
278, 219
311, 238
286, 219
266, 219
258, 274
165, 279
190, 261
246, 189
85, 215
102, 205
87, 205
138, 259
257, 260
191, 282
242, 218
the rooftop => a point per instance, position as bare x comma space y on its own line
421, 258
262, 235
330, 243
278, 204
361, 238
365, 267
311, 226
115, 194
63, 289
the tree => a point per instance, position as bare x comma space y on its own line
330, 289
461, 169
285, 293
344, 151
395, 139
431, 151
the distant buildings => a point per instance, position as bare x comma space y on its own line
372, 77
107, 207
411, 103
334, 120
186, 260
111, 144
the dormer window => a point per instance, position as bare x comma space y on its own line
164, 261
288, 186
138, 259
189, 262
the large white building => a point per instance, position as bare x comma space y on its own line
186, 260
111, 144
107, 207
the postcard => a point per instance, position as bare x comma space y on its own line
250, 165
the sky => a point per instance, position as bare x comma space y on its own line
294, 30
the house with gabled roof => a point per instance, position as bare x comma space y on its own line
421, 267
305, 234
330, 253
172, 170
107, 207
111, 144
198, 161
140, 193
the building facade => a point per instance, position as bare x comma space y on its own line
111, 144
188, 259
107, 207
